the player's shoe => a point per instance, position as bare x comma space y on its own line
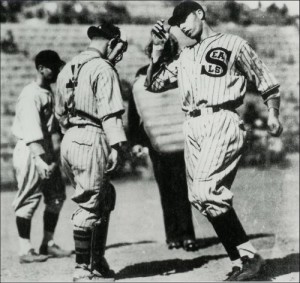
232, 275
99, 277
104, 269
82, 273
102, 272
189, 245
174, 245
54, 251
32, 256
251, 267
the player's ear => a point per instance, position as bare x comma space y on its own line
40, 68
201, 14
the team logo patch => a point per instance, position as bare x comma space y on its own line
217, 62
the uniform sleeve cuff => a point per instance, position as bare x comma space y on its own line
36, 148
273, 102
115, 136
114, 131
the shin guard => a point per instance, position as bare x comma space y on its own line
99, 237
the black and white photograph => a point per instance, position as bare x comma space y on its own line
149, 141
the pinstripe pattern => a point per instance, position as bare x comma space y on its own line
209, 73
204, 82
85, 148
213, 147
84, 153
98, 89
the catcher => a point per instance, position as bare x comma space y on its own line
89, 108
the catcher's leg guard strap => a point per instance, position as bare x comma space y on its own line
99, 237
82, 246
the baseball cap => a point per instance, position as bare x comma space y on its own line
182, 10
49, 59
106, 30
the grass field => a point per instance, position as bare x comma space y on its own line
267, 201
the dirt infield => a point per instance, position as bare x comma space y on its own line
267, 201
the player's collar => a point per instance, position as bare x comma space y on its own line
95, 50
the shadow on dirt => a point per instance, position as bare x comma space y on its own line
207, 242
119, 245
273, 268
165, 267
201, 243
279, 266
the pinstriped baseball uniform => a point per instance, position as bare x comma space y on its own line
34, 121
211, 73
85, 146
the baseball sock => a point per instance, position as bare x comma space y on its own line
24, 227
50, 221
232, 221
241, 240
82, 246
225, 236
246, 249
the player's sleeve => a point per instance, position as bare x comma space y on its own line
110, 105
162, 76
257, 73
30, 120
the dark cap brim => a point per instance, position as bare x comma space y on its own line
55, 65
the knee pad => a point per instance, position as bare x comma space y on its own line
84, 220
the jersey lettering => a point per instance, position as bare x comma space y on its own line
218, 59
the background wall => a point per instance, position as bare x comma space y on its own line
278, 46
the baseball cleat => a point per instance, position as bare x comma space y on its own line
81, 273
55, 251
236, 270
174, 245
32, 256
104, 269
251, 267
189, 245
100, 277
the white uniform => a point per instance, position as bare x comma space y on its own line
212, 76
34, 121
96, 126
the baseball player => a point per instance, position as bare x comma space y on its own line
89, 108
212, 76
35, 160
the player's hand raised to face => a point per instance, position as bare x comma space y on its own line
159, 33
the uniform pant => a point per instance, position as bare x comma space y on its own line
31, 187
213, 147
169, 172
84, 153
